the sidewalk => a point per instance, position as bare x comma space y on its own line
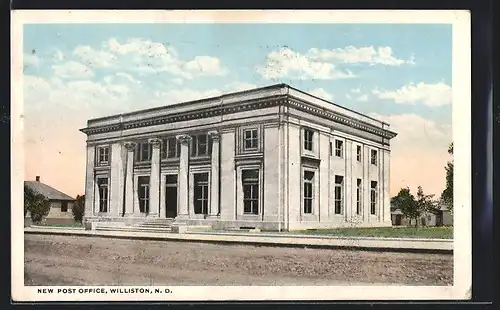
270, 239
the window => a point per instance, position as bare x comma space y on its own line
358, 196
250, 139
143, 189
358, 153
250, 180
200, 145
171, 148
373, 197
64, 206
103, 155
339, 148
144, 152
171, 179
102, 184
374, 157
201, 193
308, 139
339, 185
308, 191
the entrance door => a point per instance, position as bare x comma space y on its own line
171, 196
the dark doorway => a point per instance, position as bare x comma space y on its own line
398, 220
171, 196
439, 218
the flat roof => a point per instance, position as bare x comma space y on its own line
260, 92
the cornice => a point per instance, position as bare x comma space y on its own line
338, 118
238, 107
243, 106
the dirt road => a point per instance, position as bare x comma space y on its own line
72, 260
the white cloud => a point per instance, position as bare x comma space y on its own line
123, 77
205, 65
433, 95
362, 98
99, 59
355, 90
348, 96
31, 59
321, 93
58, 55
290, 64
147, 57
352, 55
72, 69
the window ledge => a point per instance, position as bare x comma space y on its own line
102, 167
172, 159
310, 158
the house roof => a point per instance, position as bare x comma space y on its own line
48, 191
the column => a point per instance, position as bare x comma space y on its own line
227, 176
324, 167
183, 189
214, 183
89, 182
154, 179
129, 179
386, 187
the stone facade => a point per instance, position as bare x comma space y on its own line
271, 158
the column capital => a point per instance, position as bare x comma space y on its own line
130, 146
184, 139
215, 135
155, 142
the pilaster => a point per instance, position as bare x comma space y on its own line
348, 181
366, 184
214, 183
90, 182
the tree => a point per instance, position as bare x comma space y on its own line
447, 194
405, 202
426, 203
29, 197
414, 207
37, 204
79, 208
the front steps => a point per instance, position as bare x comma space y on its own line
151, 225
158, 224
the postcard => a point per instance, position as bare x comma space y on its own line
241, 155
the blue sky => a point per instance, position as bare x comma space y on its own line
398, 72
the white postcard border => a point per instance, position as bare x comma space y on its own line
461, 85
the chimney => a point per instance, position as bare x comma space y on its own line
38, 178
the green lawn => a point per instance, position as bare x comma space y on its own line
392, 232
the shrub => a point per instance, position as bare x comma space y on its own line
79, 208
37, 204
